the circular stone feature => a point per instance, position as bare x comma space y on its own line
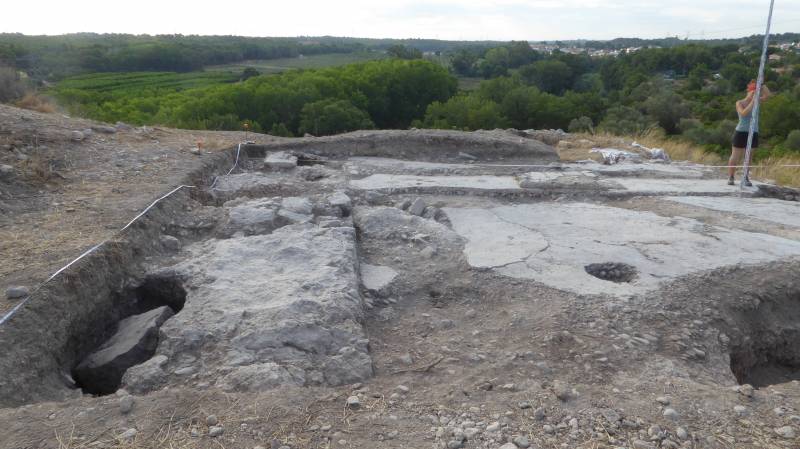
612, 271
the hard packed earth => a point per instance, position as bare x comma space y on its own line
401, 289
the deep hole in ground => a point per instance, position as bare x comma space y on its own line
612, 271
132, 340
767, 358
769, 351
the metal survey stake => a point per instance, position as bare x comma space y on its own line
757, 99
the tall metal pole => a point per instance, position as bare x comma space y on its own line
757, 105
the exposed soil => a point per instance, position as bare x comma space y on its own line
65, 196
461, 356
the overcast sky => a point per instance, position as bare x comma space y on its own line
439, 19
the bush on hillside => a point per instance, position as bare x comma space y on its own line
581, 125
330, 116
12, 86
793, 140
624, 120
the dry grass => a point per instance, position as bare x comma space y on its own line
36, 103
214, 143
41, 169
771, 169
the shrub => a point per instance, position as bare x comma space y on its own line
464, 112
12, 87
330, 116
581, 125
793, 140
623, 120
35, 102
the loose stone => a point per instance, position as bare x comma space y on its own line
128, 434
17, 292
786, 432
353, 402
126, 404
215, 431
670, 413
522, 442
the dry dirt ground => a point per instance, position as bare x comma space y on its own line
64, 195
529, 302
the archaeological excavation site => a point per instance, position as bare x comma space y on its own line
421, 289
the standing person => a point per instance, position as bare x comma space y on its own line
745, 110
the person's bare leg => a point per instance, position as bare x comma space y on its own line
736, 156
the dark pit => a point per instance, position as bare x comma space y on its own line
768, 358
767, 352
612, 271
133, 339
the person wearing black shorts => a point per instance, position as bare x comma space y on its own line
744, 108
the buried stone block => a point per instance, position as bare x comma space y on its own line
281, 160
133, 343
290, 314
377, 279
417, 207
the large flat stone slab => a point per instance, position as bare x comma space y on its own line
566, 180
682, 186
399, 164
134, 342
389, 182
264, 311
648, 170
554, 243
768, 209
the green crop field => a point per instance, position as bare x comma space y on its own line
307, 62
113, 82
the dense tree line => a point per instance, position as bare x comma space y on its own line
383, 94
53, 57
56, 57
687, 90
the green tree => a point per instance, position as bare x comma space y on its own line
11, 86
466, 112
520, 53
624, 120
780, 115
667, 109
495, 63
404, 52
549, 76
280, 130
581, 124
330, 116
463, 62
589, 82
697, 77
793, 140
738, 75
248, 73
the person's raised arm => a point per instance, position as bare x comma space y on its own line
745, 107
